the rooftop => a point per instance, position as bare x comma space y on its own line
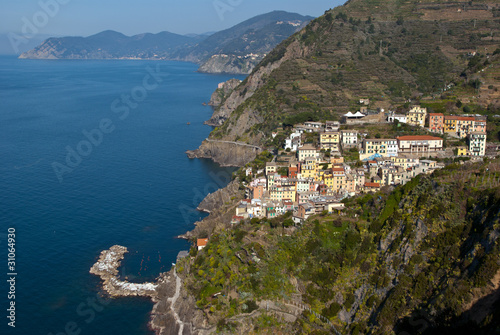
372, 184
202, 242
419, 138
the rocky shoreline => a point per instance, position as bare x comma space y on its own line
174, 310
107, 268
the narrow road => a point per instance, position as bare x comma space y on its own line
178, 284
237, 143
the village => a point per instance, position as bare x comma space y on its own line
316, 178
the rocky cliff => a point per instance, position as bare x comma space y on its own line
255, 81
225, 153
230, 64
223, 92
216, 200
175, 310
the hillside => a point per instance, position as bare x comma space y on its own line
420, 258
388, 51
245, 44
235, 50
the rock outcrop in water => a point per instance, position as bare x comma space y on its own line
107, 268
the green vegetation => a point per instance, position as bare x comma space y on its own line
420, 249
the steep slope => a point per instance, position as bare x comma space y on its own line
388, 51
421, 258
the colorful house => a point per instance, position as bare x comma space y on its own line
436, 122
416, 116
419, 144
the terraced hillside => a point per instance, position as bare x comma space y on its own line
388, 51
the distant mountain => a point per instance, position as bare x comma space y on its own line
16, 43
258, 35
243, 52
111, 45
234, 50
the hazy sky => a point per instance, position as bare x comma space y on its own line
87, 17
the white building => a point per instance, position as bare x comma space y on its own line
293, 141
400, 117
477, 143
349, 137
307, 150
303, 185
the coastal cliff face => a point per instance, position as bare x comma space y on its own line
230, 64
223, 92
255, 81
216, 200
221, 206
225, 153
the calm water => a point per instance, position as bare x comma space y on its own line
135, 188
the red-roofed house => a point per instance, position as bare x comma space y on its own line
419, 144
201, 243
372, 187
459, 125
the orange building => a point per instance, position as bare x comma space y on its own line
436, 122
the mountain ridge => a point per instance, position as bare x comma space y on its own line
234, 50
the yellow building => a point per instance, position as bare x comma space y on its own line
416, 116
405, 161
462, 151
383, 147
282, 193
460, 125
339, 178
330, 140
328, 179
310, 168
450, 124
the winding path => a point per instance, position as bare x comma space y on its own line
236, 143
178, 284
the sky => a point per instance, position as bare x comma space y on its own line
88, 17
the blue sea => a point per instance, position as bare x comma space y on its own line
93, 154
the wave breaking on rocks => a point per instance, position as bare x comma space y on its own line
107, 268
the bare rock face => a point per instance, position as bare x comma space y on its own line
175, 310
229, 64
224, 153
220, 197
223, 91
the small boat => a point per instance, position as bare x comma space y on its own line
188, 123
